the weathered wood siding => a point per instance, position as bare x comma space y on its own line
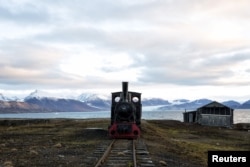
212, 114
189, 116
215, 120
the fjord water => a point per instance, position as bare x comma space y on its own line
240, 115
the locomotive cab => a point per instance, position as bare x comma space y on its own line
125, 114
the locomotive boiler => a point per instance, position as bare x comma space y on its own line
126, 112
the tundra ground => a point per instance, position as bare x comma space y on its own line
68, 142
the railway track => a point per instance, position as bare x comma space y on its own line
124, 153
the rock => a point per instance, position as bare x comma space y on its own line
33, 152
121, 154
2, 145
61, 156
58, 145
164, 163
13, 150
8, 164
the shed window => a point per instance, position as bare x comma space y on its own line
217, 111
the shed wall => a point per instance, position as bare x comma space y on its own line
215, 120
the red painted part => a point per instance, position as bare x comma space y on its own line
134, 134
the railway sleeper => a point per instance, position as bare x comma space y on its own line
147, 165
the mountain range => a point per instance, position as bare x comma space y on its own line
39, 101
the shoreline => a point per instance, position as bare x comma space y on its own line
240, 116
246, 125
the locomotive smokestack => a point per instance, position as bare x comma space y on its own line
124, 91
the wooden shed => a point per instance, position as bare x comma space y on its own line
212, 114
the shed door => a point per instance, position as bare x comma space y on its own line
190, 119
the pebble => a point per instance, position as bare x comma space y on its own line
8, 164
121, 153
61, 156
33, 152
2, 145
13, 150
58, 145
164, 163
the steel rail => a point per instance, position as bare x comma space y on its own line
105, 154
134, 154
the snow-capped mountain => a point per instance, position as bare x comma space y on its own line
245, 104
232, 104
95, 100
186, 104
60, 105
6, 98
3, 98
92, 96
38, 94
41, 101
50, 102
180, 101
154, 102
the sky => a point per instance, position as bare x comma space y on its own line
170, 49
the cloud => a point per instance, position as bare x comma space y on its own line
75, 44
24, 13
214, 69
23, 62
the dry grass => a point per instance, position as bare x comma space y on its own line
49, 142
62, 142
189, 143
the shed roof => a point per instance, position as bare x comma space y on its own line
214, 104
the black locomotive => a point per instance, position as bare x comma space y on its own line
126, 112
